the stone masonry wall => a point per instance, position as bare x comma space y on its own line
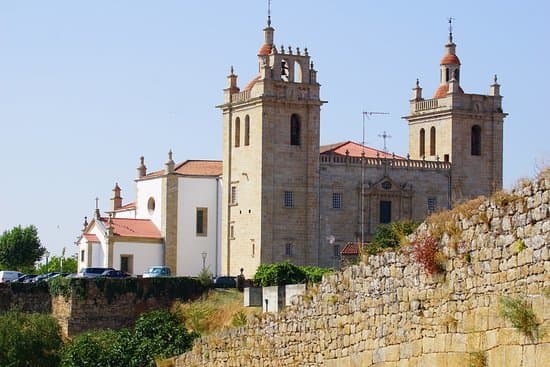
25, 297
387, 312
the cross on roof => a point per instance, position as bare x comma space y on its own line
450, 20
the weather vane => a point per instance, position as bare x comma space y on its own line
269, 13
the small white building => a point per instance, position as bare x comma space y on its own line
174, 221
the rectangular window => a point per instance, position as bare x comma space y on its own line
232, 232
336, 200
289, 199
234, 195
82, 256
126, 263
288, 249
432, 204
202, 218
336, 251
385, 211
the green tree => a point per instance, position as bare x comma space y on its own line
106, 348
59, 263
20, 248
29, 340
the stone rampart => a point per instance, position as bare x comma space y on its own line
388, 312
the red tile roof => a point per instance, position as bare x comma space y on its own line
127, 227
194, 168
265, 50
355, 150
91, 237
351, 248
443, 89
129, 206
252, 83
200, 168
450, 60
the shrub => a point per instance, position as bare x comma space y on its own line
286, 273
478, 359
205, 278
157, 335
29, 340
239, 319
520, 315
425, 252
393, 235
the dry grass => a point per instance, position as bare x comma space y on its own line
444, 222
478, 359
468, 208
213, 312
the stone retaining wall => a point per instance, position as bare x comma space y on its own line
388, 312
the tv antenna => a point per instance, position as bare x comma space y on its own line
385, 136
366, 116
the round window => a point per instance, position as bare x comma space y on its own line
151, 205
386, 185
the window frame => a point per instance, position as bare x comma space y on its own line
337, 202
201, 227
288, 199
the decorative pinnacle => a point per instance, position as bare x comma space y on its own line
232, 71
417, 83
496, 82
269, 13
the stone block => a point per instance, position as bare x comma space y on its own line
253, 297
293, 290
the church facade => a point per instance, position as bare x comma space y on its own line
278, 195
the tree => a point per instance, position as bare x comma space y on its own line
20, 248
60, 264
29, 340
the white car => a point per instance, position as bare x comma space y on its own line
157, 271
9, 275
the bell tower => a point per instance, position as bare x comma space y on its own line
271, 162
461, 128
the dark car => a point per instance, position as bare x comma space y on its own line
27, 278
225, 282
92, 272
114, 274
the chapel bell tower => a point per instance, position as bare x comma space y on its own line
270, 209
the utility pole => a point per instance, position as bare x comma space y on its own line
366, 115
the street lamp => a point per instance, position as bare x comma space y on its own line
203, 254
47, 254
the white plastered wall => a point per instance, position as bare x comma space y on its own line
144, 255
146, 189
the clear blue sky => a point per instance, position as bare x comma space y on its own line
86, 87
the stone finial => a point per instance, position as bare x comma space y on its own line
97, 213
306, 52
142, 170
85, 224
495, 87
170, 163
297, 50
116, 200
232, 81
417, 91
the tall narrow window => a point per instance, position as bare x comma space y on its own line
202, 220
294, 130
289, 199
232, 232
422, 143
127, 263
288, 249
233, 195
336, 251
385, 211
446, 74
476, 140
82, 256
432, 204
336, 200
247, 130
237, 132
432, 141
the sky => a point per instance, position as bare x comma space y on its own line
87, 87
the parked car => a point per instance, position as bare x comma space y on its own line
225, 282
9, 275
114, 274
157, 271
46, 276
25, 278
92, 272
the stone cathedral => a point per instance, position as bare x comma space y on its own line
285, 197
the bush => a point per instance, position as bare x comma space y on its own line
29, 340
522, 317
157, 335
286, 273
393, 235
425, 252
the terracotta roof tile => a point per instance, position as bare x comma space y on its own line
127, 227
128, 206
252, 83
200, 168
265, 50
91, 237
351, 248
450, 59
354, 150
443, 89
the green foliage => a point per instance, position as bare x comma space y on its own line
29, 340
286, 273
478, 359
519, 245
393, 235
239, 319
157, 335
20, 248
17, 287
58, 263
520, 315
205, 278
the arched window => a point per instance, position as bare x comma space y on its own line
446, 74
247, 130
237, 132
422, 143
297, 72
476, 140
432, 141
457, 75
294, 130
